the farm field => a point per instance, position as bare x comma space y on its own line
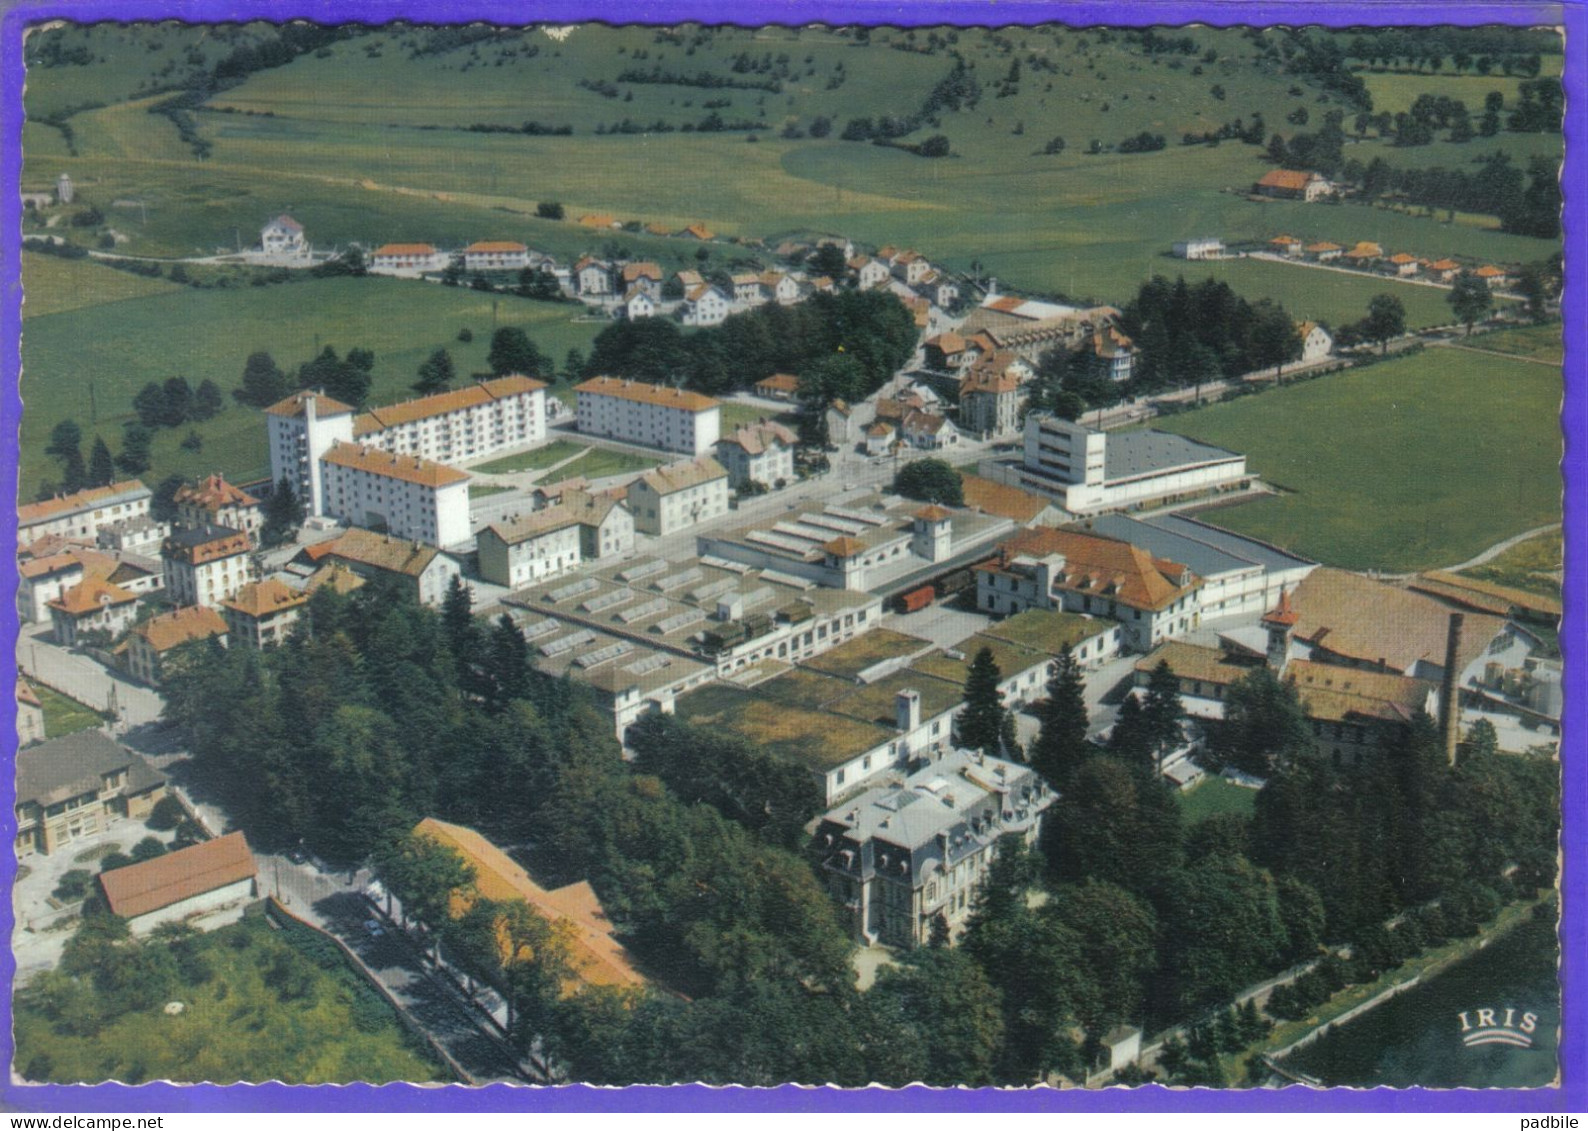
371, 142
256, 1007
203, 334
1541, 343
1418, 462
55, 285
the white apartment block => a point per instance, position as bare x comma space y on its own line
408, 497
758, 453
206, 566
1091, 471
655, 416
460, 425
407, 257
678, 496
83, 514
303, 427
495, 255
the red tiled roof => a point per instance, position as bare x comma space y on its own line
198, 869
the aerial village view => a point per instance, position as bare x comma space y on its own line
827, 554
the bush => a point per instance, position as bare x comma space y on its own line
73, 885
114, 860
167, 814
148, 848
549, 210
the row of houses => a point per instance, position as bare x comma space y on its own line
1368, 255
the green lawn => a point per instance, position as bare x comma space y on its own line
535, 460
64, 715
1213, 797
114, 349
486, 490
1541, 343
601, 462
736, 415
1418, 462
257, 1006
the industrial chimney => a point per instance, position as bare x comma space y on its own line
1450, 691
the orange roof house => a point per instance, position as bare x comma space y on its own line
403, 250
1097, 566
598, 220
213, 493
575, 913
494, 247
699, 231
169, 630
646, 393
167, 882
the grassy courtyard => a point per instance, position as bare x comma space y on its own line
64, 715
1213, 797
537, 459
1419, 462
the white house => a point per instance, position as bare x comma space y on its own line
282, 236
869, 272
758, 453
657, 416
638, 304
592, 278
912, 267
704, 305
680, 495
529, 548
1207, 248
1315, 341
928, 430
406, 496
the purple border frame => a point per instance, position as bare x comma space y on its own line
1571, 1095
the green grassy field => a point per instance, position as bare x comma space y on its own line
1534, 566
356, 150
601, 462
210, 333
1214, 797
535, 460
486, 490
1541, 343
256, 1008
64, 715
1415, 463
56, 285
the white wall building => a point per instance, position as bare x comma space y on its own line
207, 565
1208, 248
407, 257
760, 453
462, 424
83, 514
282, 236
529, 548
495, 255
303, 427
705, 305
678, 496
655, 416
1091, 471
1315, 341
407, 496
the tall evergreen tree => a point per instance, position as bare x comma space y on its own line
263, 382
101, 467
136, 441
284, 514
1161, 714
1061, 745
981, 723
436, 373
66, 445
508, 663
513, 352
